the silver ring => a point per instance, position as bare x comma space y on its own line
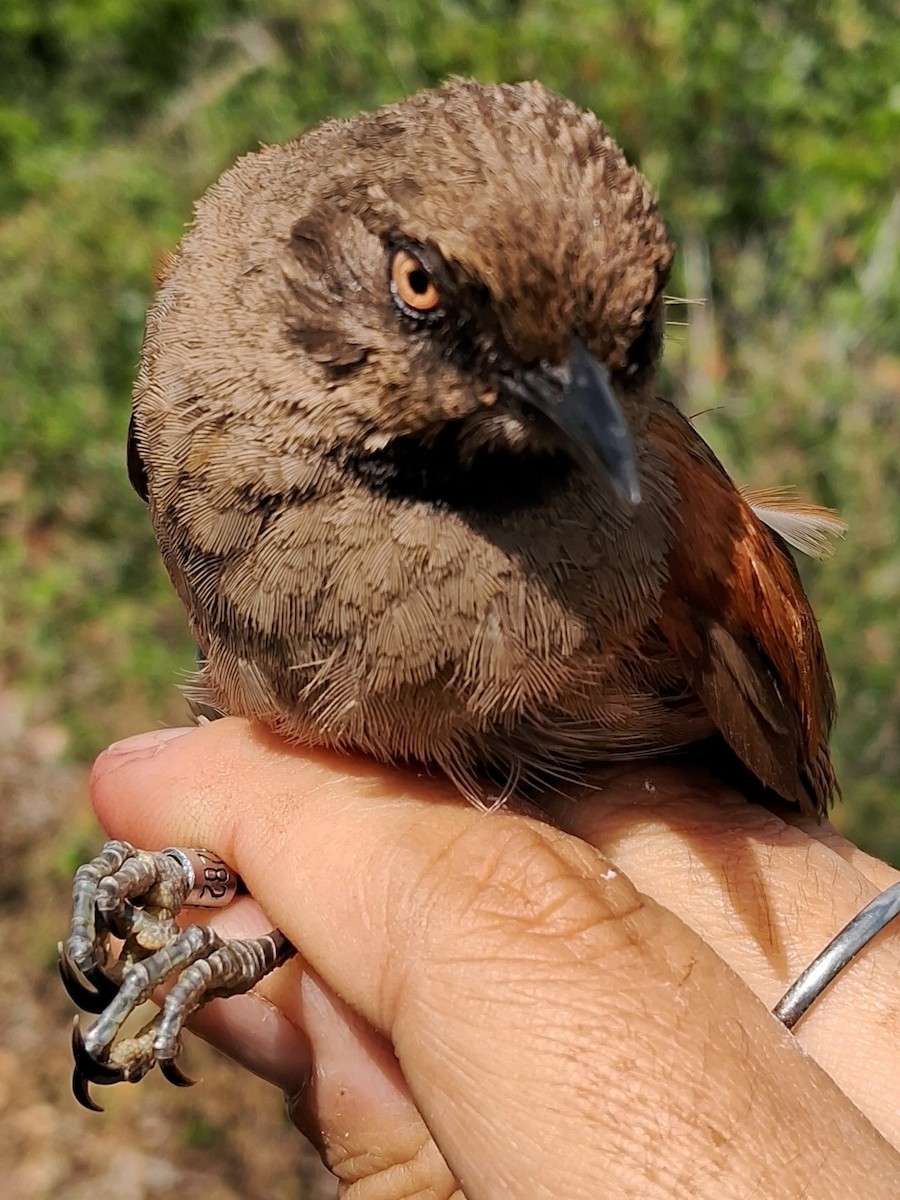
211, 882
855, 935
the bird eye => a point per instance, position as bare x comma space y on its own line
412, 284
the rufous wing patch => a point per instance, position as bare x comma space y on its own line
736, 615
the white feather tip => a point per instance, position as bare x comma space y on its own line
809, 528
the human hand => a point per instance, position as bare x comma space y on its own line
486, 1005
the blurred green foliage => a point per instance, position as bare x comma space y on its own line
769, 129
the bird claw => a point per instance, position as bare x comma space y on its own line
90, 1070
136, 895
172, 1071
91, 990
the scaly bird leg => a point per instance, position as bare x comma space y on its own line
136, 895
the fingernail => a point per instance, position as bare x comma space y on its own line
145, 745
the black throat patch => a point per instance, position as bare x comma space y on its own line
492, 481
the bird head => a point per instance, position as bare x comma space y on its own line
475, 274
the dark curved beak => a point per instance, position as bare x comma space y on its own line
578, 399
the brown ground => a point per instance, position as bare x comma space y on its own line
225, 1139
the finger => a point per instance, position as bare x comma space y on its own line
768, 898
523, 983
358, 1108
880, 874
343, 1085
256, 1031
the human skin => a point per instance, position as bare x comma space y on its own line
491, 1004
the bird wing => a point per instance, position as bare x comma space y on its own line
736, 616
137, 471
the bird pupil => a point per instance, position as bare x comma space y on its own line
419, 281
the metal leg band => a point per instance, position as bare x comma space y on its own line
211, 882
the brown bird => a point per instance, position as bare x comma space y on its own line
388, 390
399, 428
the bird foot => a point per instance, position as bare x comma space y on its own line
135, 896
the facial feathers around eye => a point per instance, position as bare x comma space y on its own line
399, 425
